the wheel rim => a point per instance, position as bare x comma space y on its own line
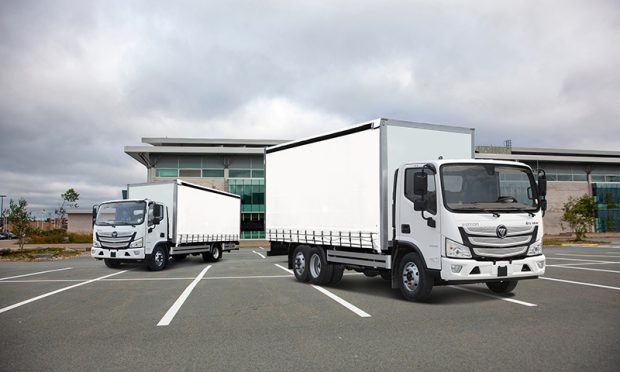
159, 258
411, 277
216, 253
315, 265
300, 263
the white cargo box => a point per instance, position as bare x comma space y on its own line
336, 188
197, 214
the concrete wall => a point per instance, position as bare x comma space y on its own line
81, 223
558, 194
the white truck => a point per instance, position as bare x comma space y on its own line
383, 198
162, 220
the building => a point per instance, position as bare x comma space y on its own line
233, 165
80, 221
237, 166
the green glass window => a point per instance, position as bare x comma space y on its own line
189, 172
167, 173
213, 173
239, 173
258, 173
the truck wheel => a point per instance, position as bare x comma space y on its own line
112, 264
505, 286
300, 263
158, 259
320, 270
338, 271
214, 255
414, 282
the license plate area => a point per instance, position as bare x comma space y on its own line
502, 271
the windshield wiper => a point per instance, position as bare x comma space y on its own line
521, 210
479, 209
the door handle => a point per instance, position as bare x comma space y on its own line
405, 229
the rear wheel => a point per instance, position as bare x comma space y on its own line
414, 282
320, 270
505, 286
300, 262
213, 256
112, 264
337, 274
158, 259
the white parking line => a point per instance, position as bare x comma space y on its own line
494, 296
584, 268
259, 254
580, 283
587, 263
586, 255
181, 300
37, 273
261, 248
334, 297
57, 291
583, 261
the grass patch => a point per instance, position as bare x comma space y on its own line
560, 242
38, 254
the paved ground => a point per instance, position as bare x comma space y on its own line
247, 313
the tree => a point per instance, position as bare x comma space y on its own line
579, 214
69, 199
19, 218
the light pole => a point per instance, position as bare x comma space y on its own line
2, 210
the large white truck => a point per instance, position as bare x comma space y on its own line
406, 201
163, 220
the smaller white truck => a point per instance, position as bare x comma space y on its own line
163, 220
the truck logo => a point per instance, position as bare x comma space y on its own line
501, 231
114, 234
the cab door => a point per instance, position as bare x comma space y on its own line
420, 228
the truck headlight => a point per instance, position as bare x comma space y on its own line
96, 244
136, 243
456, 250
535, 249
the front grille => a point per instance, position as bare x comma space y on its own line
484, 242
118, 242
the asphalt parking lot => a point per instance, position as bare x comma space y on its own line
247, 312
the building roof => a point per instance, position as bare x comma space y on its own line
197, 146
548, 155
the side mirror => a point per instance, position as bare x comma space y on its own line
420, 183
419, 205
158, 214
95, 210
542, 183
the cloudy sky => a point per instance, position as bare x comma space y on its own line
82, 79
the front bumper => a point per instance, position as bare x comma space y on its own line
125, 254
473, 271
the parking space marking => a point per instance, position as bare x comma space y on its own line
584, 268
259, 254
579, 283
582, 261
494, 296
587, 263
181, 300
586, 255
37, 273
261, 248
4, 309
247, 277
334, 297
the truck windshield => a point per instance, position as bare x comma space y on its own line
121, 213
488, 188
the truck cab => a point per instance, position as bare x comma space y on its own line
126, 230
470, 221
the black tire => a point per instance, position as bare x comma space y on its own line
112, 264
319, 270
179, 257
414, 282
300, 262
158, 259
214, 255
338, 272
505, 286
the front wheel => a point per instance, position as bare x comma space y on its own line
414, 282
158, 259
505, 286
112, 264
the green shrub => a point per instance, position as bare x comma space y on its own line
80, 238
